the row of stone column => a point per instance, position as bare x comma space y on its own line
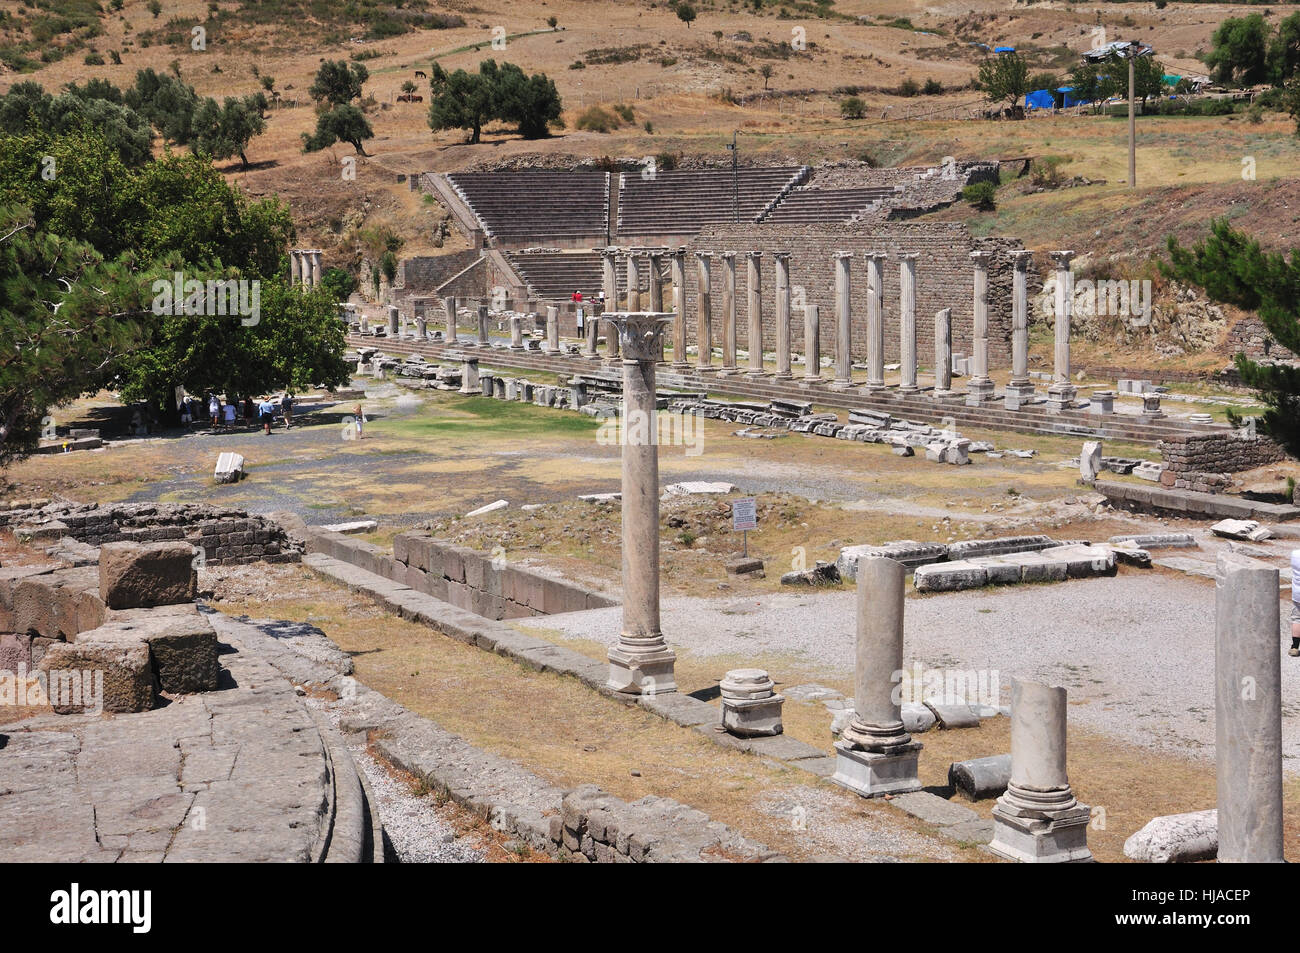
1061, 393
305, 267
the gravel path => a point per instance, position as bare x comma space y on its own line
1136, 651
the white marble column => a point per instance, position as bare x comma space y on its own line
980, 387
703, 312
812, 343
1038, 819
1020, 389
633, 280
484, 335
907, 322
677, 265
754, 313
421, 328
782, 315
641, 663
943, 353
875, 755
315, 269
295, 268
655, 264
552, 344
516, 333
1061, 394
449, 308
469, 382
592, 332
728, 313
609, 275
843, 322
1248, 710
875, 321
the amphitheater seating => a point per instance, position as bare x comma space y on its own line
556, 275
682, 202
823, 206
515, 208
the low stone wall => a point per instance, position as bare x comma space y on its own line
224, 536
463, 577
1251, 337
1218, 453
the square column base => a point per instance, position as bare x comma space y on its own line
642, 674
977, 392
753, 717
872, 774
1015, 396
1040, 840
840, 385
1061, 397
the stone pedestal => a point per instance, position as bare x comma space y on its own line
484, 340
1247, 710
750, 706
1020, 384
875, 755
421, 329
875, 322
812, 343
1102, 402
843, 323
394, 322
469, 383
703, 312
449, 309
1151, 406
1038, 819
782, 315
754, 313
677, 265
552, 344
943, 353
907, 322
641, 663
1061, 396
729, 313
980, 387
516, 333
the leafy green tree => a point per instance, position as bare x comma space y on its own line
344, 123
339, 283
1284, 51
225, 131
686, 13
1240, 51
1148, 78
1231, 267
27, 107
66, 317
531, 102
460, 100
1004, 78
1087, 83
853, 108
166, 101
338, 83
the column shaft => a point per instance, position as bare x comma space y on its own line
907, 322
843, 321
782, 316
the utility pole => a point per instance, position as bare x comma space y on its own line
735, 181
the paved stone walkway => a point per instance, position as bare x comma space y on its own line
239, 775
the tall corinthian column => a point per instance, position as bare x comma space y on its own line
678, 266
843, 323
875, 321
728, 312
907, 321
641, 663
980, 387
875, 755
1061, 394
703, 312
754, 312
812, 343
782, 315
655, 261
1020, 388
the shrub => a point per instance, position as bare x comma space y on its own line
981, 195
1046, 170
94, 59
908, 87
597, 119
625, 111
853, 108
932, 87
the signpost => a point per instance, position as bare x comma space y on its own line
744, 517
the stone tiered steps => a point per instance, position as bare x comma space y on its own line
918, 407
682, 202
520, 207
819, 206
556, 275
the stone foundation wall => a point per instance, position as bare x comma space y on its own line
225, 537
944, 279
1251, 337
1218, 453
460, 576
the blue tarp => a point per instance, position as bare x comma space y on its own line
1004, 49
1040, 99
1067, 97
